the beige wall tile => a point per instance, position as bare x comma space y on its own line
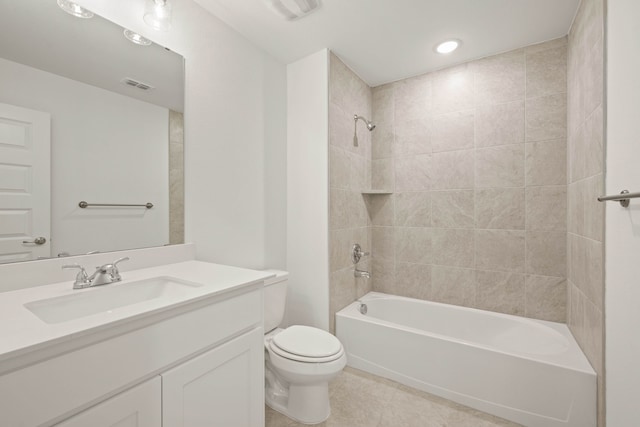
500, 124
413, 245
356, 210
594, 78
383, 275
413, 209
413, 280
546, 298
342, 289
411, 137
383, 176
502, 208
551, 44
382, 108
382, 140
453, 89
500, 250
546, 163
546, 253
383, 243
501, 292
452, 209
413, 173
500, 166
338, 209
594, 143
453, 170
547, 208
339, 168
593, 187
453, 131
452, 247
381, 209
593, 336
358, 173
500, 78
547, 72
546, 118
340, 127
451, 285
412, 98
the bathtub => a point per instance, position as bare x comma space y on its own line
528, 371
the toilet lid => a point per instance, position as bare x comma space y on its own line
307, 342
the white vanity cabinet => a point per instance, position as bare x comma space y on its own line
220, 388
138, 407
196, 364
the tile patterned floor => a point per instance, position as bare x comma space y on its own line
359, 399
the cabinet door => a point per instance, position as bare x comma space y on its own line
223, 387
137, 407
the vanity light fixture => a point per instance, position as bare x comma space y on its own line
157, 14
447, 46
73, 9
136, 38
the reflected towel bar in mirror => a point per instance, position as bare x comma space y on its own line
84, 205
623, 198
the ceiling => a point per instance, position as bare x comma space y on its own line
388, 40
39, 34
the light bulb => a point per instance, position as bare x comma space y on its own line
157, 14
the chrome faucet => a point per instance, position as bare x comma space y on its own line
103, 275
356, 254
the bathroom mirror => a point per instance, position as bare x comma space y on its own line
86, 115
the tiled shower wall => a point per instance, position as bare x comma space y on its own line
585, 255
475, 156
176, 177
349, 175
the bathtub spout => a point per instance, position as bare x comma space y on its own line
361, 273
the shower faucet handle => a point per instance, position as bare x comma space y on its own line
357, 253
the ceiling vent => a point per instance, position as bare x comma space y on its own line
293, 9
134, 83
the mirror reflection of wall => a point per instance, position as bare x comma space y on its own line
109, 142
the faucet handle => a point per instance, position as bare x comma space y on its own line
82, 279
357, 253
115, 273
119, 260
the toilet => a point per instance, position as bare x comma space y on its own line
299, 360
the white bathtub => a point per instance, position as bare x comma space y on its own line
528, 371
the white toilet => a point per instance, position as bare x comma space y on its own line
299, 360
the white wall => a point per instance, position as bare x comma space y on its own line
622, 244
234, 111
308, 191
105, 148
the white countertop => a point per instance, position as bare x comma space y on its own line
22, 332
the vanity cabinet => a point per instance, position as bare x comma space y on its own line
222, 387
198, 364
137, 407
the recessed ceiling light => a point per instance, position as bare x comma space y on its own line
447, 46
136, 38
75, 10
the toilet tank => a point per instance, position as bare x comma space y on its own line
275, 297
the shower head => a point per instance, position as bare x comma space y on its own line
370, 125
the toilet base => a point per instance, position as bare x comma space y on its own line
306, 404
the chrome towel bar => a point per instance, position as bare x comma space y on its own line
84, 205
623, 198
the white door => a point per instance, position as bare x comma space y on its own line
622, 225
137, 407
223, 387
24, 184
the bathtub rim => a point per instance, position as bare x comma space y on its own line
573, 358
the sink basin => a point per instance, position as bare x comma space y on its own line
105, 299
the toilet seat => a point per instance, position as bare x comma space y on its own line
306, 344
